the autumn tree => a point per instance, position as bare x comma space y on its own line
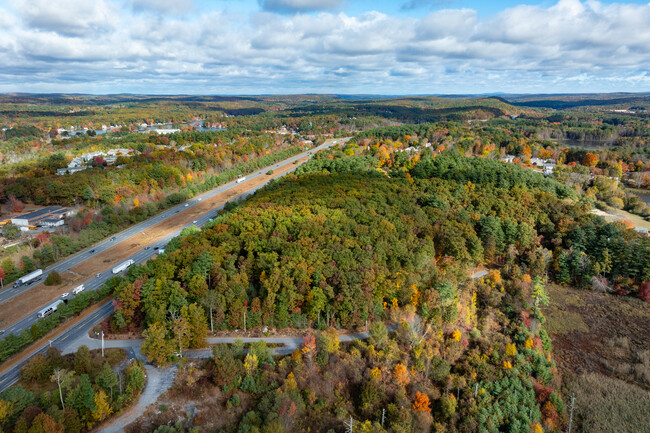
102, 406
401, 374
198, 327
421, 403
44, 423
590, 160
156, 346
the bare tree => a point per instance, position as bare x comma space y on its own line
58, 375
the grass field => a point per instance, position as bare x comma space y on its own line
601, 344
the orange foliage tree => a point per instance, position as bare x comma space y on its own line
402, 375
590, 160
421, 403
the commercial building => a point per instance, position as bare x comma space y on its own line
53, 214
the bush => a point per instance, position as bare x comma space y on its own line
270, 172
53, 279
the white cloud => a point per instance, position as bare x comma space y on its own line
101, 44
68, 17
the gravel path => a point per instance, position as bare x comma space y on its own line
158, 381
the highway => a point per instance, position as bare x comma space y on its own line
11, 375
143, 255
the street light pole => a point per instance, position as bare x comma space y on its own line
102, 344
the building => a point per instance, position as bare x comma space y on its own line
52, 222
39, 216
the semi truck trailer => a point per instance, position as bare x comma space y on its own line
49, 309
122, 266
31, 277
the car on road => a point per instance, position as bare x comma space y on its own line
91, 251
187, 204
2, 331
155, 248
200, 199
113, 238
146, 248
194, 222
65, 295
98, 275
177, 211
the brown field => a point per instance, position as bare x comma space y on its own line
601, 344
31, 300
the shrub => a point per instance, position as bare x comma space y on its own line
53, 279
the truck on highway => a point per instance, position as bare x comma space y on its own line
78, 289
122, 266
241, 179
31, 277
49, 309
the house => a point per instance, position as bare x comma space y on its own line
508, 158
642, 230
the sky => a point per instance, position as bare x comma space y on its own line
400, 47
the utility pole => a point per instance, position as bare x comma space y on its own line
573, 400
102, 344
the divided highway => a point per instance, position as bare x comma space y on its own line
142, 255
65, 338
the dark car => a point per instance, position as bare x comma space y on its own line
91, 251
146, 248
155, 248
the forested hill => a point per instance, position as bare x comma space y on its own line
338, 246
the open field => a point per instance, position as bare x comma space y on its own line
620, 214
39, 295
602, 350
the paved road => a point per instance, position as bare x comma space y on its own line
158, 381
72, 334
142, 255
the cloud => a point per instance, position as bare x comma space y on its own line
162, 6
293, 6
568, 46
67, 17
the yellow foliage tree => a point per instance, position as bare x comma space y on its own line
103, 406
511, 349
250, 363
456, 335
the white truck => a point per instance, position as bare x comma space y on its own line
122, 266
31, 277
241, 179
49, 309
78, 289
